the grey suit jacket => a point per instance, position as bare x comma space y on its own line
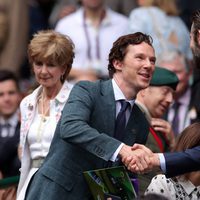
84, 141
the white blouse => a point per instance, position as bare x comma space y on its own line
35, 135
39, 138
41, 133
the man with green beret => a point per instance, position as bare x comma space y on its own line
154, 102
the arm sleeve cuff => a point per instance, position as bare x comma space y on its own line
115, 155
162, 162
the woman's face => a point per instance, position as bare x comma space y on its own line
47, 74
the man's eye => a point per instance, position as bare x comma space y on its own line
12, 93
39, 63
153, 61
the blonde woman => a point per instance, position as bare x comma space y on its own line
51, 55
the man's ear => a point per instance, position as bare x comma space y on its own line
118, 65
142, 92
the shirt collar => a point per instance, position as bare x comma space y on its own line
106, 20
118, 94
188, 186
64, 92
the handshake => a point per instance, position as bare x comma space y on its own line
139, 159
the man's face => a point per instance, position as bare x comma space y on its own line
137, 67
195, 47
9, 98
158, 99
93, 4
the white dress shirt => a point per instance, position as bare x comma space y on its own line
112, 26
12, 121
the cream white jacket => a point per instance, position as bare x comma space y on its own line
28, 111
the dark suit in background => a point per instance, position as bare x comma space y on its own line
9, 123
9, 161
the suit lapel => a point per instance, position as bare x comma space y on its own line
137, 127
108, 105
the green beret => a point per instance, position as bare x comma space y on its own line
164, 77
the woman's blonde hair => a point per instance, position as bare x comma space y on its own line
52, 47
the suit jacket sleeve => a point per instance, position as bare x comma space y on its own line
81, 121
182, 162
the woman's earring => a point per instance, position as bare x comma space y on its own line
62, 78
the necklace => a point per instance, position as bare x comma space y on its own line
43, 117
44, 112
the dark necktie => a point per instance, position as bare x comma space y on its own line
120, 123
175, 121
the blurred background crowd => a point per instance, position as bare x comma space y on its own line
24, 19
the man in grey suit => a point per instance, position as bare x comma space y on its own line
85, 136
176, 163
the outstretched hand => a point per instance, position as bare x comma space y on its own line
139, 159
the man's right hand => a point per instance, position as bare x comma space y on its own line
139, 159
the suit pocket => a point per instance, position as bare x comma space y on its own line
66, 180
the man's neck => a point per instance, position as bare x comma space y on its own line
95, 15
128, 92
179, 95
7, 117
